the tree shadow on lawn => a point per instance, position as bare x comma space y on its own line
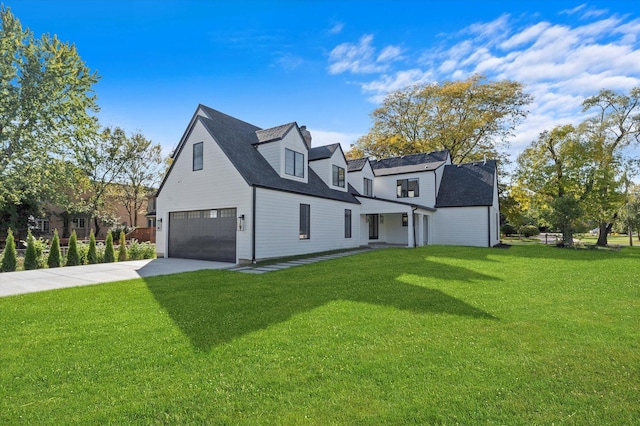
214, 307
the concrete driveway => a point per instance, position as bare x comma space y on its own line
12, 283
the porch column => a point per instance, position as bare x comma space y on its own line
411, 230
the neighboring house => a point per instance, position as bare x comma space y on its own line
56, 217
239, 193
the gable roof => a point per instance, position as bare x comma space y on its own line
469, 184
357, 164
409, 163
274, 133
237, 138
323, 152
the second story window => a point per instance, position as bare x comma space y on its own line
338, 176
408, 188
197, 156
368, 187
293, 163
78, 222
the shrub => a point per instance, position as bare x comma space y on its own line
73, 258
92, 255
122, 250
529, 230
116, 230
139, 251
109, 252
10, 256
508, 229
55, 259
31, 255
83, 252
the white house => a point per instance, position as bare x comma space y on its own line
239, 193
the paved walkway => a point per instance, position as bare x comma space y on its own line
12, 283
72, 276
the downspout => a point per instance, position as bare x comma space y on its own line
253, 226
488, 226
413, 219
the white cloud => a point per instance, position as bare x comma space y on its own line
361, 58
559, 64
336, 28
323, 137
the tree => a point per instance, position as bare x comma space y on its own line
54, 260
92, 255
73, 258
45, 103
630, 212
614, 126
122, 250
471, 119
142, 170
30, 255
109, 252
9, 255
551, 173
101, 160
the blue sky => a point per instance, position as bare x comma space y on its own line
327, 64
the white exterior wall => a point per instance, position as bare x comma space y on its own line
217, 185
464, 226
294, 142
386, 187
324, 169
278, 224
356, 179
272, 152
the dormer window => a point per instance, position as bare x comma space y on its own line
368, 187
338, 176
294, 163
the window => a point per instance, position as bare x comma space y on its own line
78, 222
305, 221
408, 188
197, 156
43, 225
347, 223
405, 219
293, 163
368, 187
338, 176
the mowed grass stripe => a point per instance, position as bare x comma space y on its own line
527, 335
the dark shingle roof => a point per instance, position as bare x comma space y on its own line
409, 163
274, 133
322, 152
356, 165
236, 138
469, 184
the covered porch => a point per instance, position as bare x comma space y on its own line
386, 222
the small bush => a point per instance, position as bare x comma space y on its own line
83, 252
139, 251
73, 259
55, 259
116, 230
122, 250
109, 252
31, 255
508, 229
92, 255
10, 255
529, 231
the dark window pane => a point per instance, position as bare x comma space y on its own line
197, 156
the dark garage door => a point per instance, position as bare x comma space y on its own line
203, 234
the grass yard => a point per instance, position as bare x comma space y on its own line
434, 335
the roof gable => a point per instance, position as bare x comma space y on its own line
274, 133
469, 184
323, 152
357, 164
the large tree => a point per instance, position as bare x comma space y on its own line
472, 119
142, 171
46, 102
614, 126
551, 173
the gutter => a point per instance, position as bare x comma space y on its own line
413, 219
253, 225
489, 226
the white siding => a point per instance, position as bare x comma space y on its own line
464, 226
386, 187
324, 169
217, 185
356, 178
294, 142
272, 151
278, 227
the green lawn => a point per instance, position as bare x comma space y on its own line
435, 335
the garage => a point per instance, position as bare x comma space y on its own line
203, 234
